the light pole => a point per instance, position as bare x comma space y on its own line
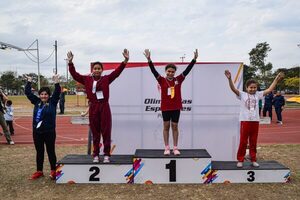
299, 74
67, 67
182, 58
10, 46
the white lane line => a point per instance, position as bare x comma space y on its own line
56, 134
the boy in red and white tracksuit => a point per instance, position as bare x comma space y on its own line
249, 116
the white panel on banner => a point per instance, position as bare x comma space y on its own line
210, 110
151, 166
267, 172
81, 169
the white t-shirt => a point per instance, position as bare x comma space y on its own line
249, 105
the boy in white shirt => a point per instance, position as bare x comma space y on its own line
9, 116
249, 115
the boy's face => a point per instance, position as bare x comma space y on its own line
252, 88
170, 72
44, 96
97, 70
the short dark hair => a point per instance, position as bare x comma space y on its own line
97, 63
45, 89
251, 81
170, 66
9, 102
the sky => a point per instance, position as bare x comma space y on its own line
99, 30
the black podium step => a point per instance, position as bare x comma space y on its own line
88, 159
159, 153
263, 165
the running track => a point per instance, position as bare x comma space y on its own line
67, 133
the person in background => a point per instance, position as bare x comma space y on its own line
62, 101
268, 105
279, 103
3, 99
9, 116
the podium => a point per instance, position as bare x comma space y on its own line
267, 172
152, 166
81, 169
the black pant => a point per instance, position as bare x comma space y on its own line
40, 139
267, 109
62, 107
278, 111
11, 127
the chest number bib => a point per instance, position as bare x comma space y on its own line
171, 91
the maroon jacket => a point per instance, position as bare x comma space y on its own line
102, 84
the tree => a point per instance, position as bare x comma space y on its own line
257, 58
249, 72
291, 80
7, 80
292, 84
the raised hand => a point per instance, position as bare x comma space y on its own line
196, 54
126, 55
70, 56
147, 54
29, 78
228, 74
55, 78
279, 76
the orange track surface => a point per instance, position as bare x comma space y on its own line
67, 133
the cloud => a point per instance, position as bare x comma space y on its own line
100, 29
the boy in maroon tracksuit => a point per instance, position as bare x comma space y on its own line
97, 90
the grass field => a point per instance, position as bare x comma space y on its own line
18, 162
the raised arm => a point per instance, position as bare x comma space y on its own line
77, 77
112, 76
32, 98
152, 68
273, 85
57, 90
191, 65
232, 87
4, 97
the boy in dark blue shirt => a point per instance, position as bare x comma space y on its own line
278, 103
43, 125
268, 105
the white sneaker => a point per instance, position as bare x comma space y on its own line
96, 159
255, 164
11, 142
106, 159
167, 151
176, 151
239, 164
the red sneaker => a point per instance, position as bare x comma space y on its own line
52, 175
36, 175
